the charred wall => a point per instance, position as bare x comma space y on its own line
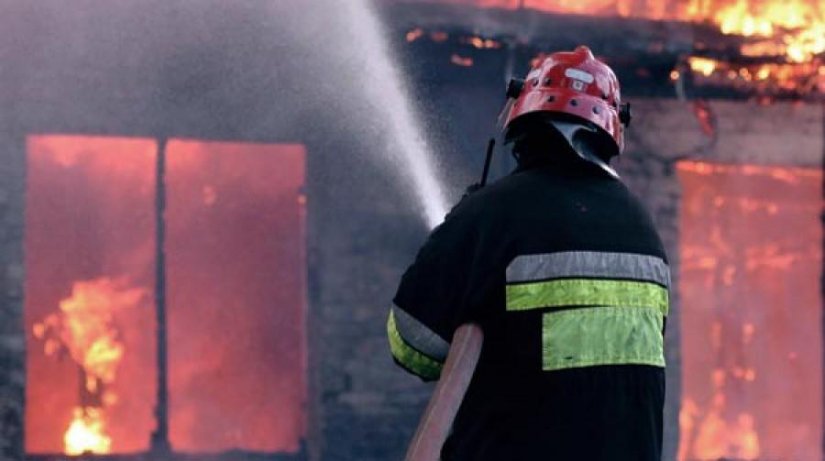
12, 336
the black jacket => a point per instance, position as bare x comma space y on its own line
564, 271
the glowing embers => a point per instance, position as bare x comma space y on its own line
751, 262
235, 295
769, 78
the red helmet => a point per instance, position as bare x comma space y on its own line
573, 83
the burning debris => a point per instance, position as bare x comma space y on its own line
85, 330
767, 48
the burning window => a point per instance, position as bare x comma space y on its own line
235, 295
751, 262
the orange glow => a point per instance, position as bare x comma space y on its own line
235, 295
86, 433
482, 43
802, 78
789, 32
461, 61
703, 66
243, 384
798, 26
89, 228
85, 328
414, 34
751, 259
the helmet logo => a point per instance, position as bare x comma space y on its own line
580, 78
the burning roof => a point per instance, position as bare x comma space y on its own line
772, 48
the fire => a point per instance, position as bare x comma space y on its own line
799, 25
703, 66
781, 44
86, 433
710, 435
84, 329
90, 213
750, 291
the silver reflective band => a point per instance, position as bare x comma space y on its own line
579, 74
417, 335
529, 268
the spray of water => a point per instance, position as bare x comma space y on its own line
385, 86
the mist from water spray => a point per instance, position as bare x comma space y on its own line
386, 88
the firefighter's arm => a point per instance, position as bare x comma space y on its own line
429, 304
414, 346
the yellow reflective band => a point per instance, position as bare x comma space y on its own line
411, 359
586, 292
594, 336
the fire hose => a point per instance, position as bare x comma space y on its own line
437, 420
462, 358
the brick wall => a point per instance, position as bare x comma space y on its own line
12, 337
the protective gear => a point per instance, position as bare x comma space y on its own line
576, 88
563, 270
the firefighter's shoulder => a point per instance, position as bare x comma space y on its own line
486, 201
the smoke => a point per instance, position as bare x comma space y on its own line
316, 71
361, 86
286, 70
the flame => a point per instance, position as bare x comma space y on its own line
716, 432
713, 436
741, 273
789, 34
86, 433
799, 24
703, 66
84, 329
229, 190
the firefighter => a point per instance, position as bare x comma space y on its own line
563, 270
